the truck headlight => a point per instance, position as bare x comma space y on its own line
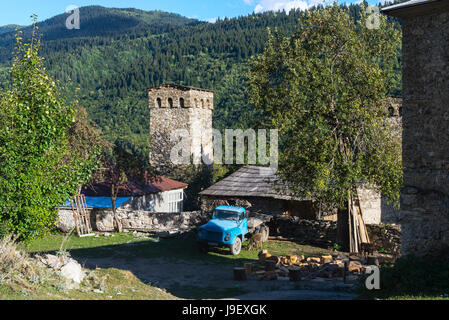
228, 237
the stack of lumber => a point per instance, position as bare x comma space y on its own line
358, 233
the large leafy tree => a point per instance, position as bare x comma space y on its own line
41, 165
324, 87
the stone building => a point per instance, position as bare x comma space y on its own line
258, 189
425, 196
176, 111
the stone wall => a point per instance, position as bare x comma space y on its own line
324, 233
147, 221
102, 220
425, 197
375, 209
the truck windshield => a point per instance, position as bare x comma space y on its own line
227, 215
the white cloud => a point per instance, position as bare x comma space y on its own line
287, 5
212, 20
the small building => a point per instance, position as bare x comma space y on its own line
161, 195
257, 189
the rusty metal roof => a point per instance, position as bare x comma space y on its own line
134, 189
252, 181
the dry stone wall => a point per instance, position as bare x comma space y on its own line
149, 222
102, 220
386, 238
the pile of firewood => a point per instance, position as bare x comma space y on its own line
296, 268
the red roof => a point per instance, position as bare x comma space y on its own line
134, 189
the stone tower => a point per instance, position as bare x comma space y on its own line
425, 196
174, 108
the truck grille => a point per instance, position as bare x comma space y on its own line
214, 236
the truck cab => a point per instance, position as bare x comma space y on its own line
227, 228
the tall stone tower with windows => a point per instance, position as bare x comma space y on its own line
177, 111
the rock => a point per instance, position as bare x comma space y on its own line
53, 261
73, 271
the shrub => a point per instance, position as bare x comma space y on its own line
12, 261
411, 276
4, 231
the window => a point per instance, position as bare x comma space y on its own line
175, 201
182, 102
170, 102
159, 102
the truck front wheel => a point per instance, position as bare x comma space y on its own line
236, 247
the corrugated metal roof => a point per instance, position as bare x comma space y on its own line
102, 202
134, 189
252, 181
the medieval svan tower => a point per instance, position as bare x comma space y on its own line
182, 112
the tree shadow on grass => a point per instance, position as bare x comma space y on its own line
176, 265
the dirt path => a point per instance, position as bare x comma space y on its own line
180, 276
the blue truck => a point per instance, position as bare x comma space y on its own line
230, 227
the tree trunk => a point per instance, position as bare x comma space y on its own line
343, 228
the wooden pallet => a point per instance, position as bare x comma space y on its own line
81, 216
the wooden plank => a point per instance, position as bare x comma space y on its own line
363, 231
350, 226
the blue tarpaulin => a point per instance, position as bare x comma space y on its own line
102, 202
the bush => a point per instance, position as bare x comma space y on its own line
4, 231
12, 261
411, 276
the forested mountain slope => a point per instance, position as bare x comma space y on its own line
118, 53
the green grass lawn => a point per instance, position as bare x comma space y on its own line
176, 248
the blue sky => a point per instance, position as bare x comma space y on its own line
19, 11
